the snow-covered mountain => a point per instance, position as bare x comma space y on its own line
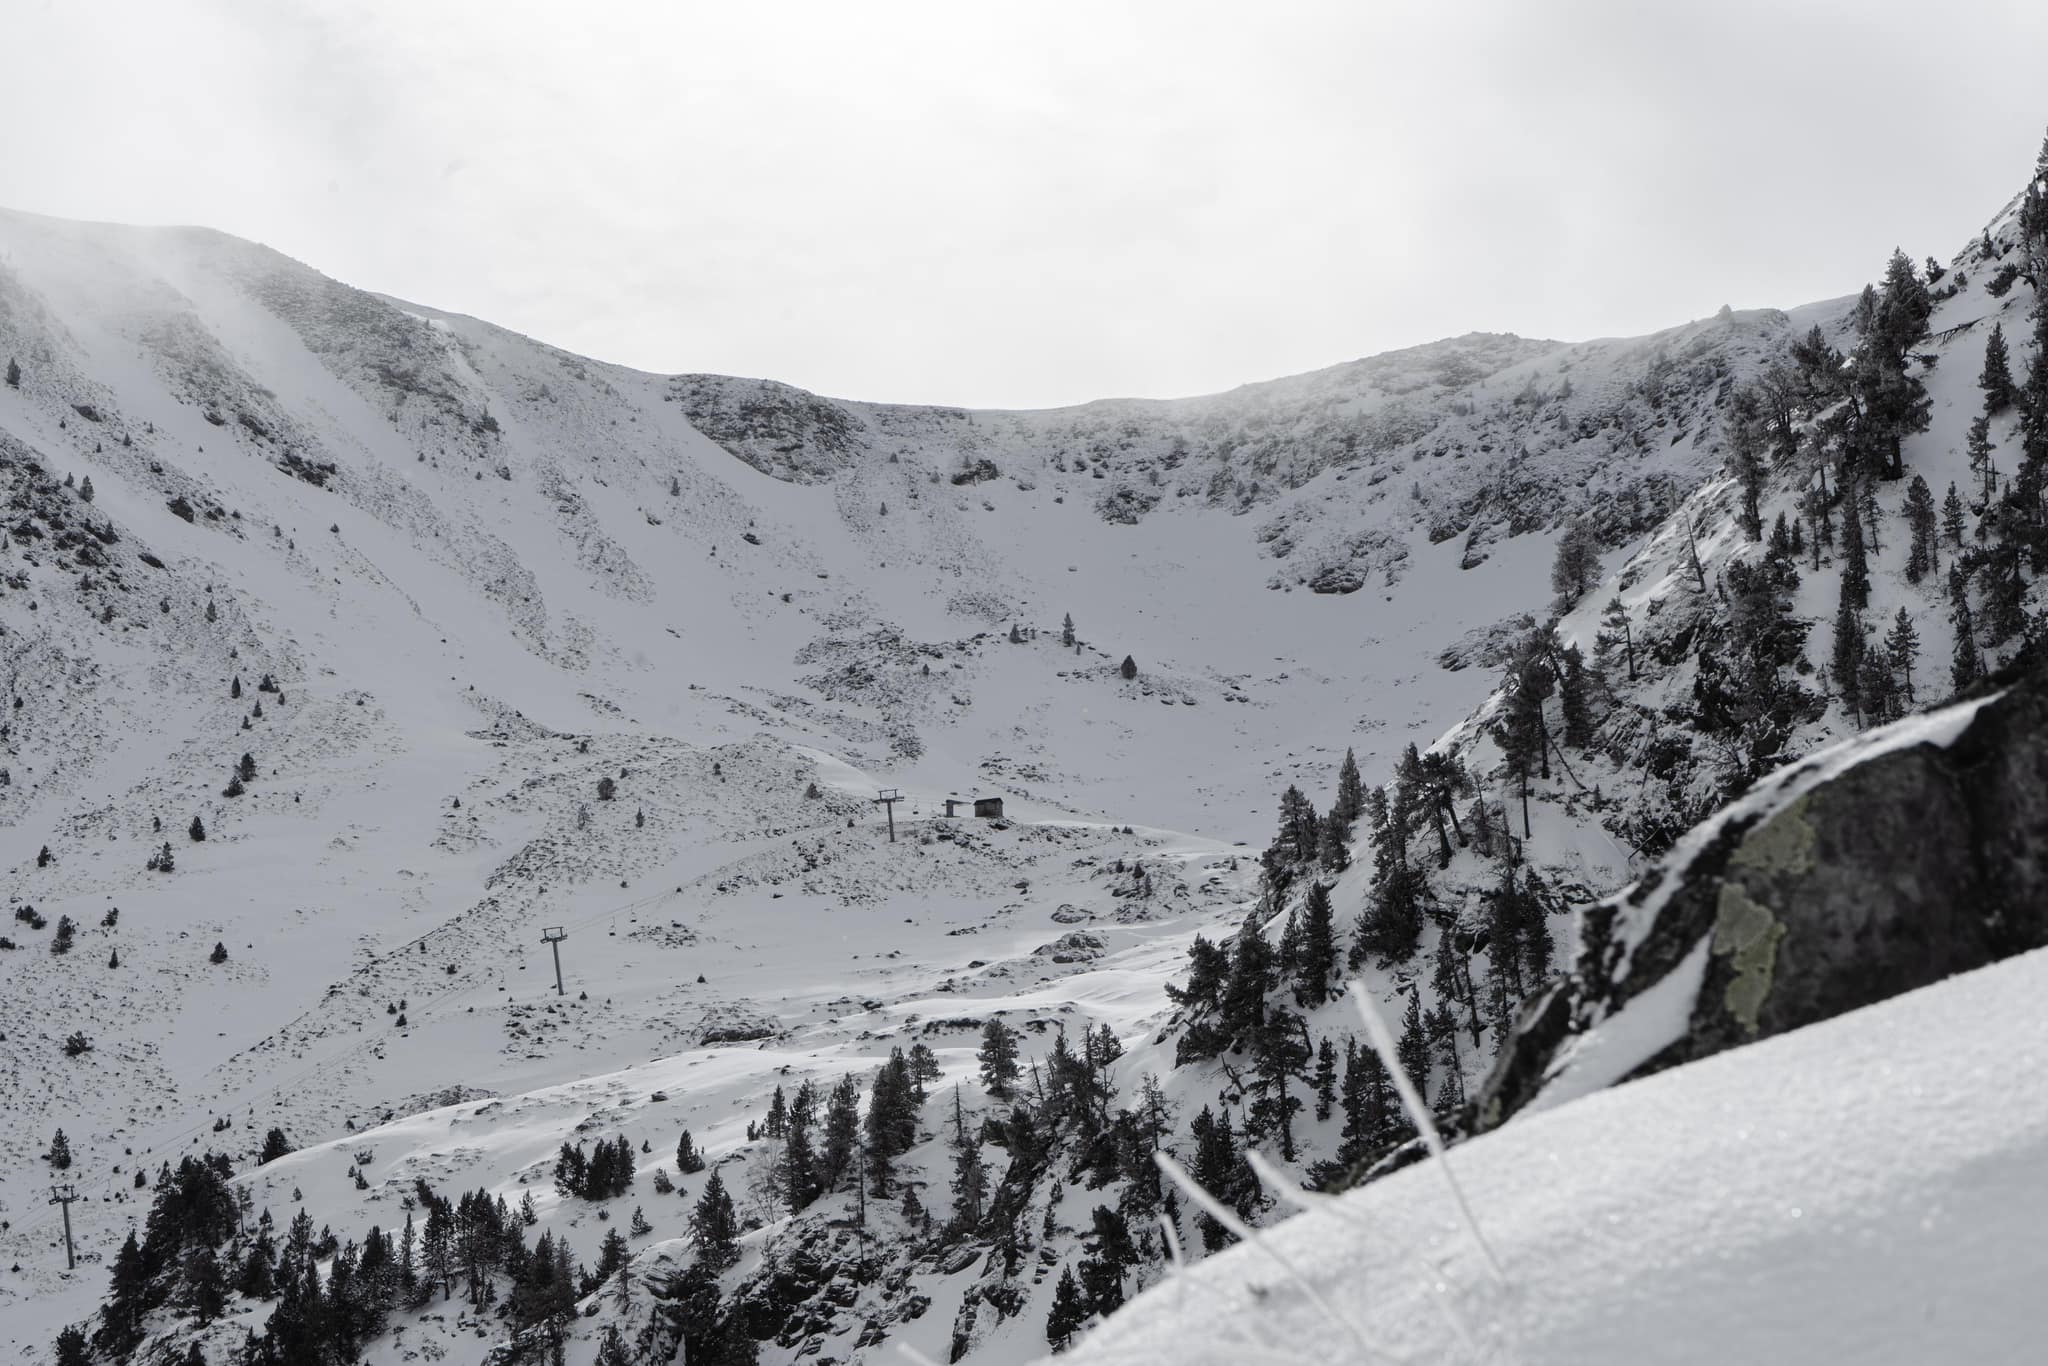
351, 644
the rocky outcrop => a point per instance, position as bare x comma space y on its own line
1887, 863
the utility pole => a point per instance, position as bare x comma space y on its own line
64, 1195
887, 801
553, 936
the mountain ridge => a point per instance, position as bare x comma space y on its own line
545, 637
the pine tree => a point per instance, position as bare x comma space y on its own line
127, 1301
714, 1226
1445, 780
998, 1058
1280, 1051
59, 1155
1572, 700
1902, 650
1129, 668
1855, 565
1996, 379
1781, 545
1365, 1099
275, 1145
803, 1107
1539, 951
1847, 660
219, 954
257, 1280
1068, 1312
1980, 448
1325, 1079
1440, 1025
1296, 839
891, 1122
1921, 526
1615, 617
1316, 963
1413, 1047
71, 1346
1893, 402
797, 1171
1413, 790
1111, 1252
85, 491
924, 1068
13, 373
1218, 1169
197, 830
611, 1349
1243, 1004
1067, 631
206, 1288
970, 1184
1350, 802
840, 1134
1505, 959
1523, 737
1746, 459
1963, 668
1333, 844
1952, 518
688, 1160
1451, 979
2003, 585
1876, 689
1576, 565
2034, 405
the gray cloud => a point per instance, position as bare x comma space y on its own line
1020, 205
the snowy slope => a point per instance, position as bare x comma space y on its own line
481, 571
1867, 1190
485, 574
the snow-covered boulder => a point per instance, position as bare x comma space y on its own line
1075, 946
1885, 863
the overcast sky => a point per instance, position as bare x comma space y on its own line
1027, 204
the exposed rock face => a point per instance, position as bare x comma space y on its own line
1909, 854
1075, 946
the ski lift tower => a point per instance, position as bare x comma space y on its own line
64, 1195
887, 801
553, 936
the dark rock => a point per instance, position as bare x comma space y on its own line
1337, 578
1862, 872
